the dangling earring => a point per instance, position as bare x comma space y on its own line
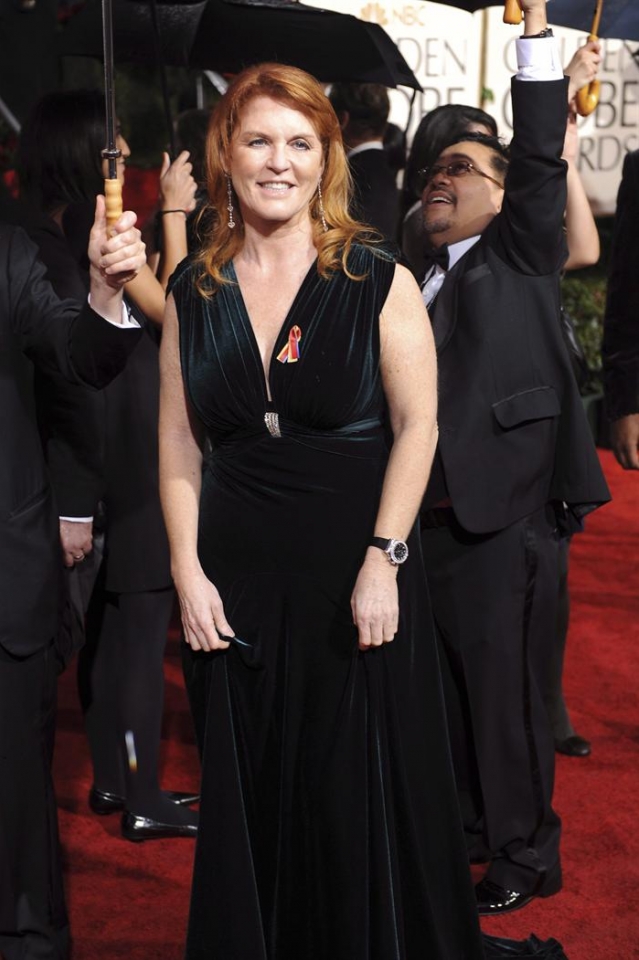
229, 193
320, 204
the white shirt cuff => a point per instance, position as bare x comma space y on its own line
78, 519
128, 320
538, 59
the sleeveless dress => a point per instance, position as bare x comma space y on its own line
329, 827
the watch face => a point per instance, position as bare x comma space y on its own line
398, 551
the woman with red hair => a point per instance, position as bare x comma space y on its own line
299, 348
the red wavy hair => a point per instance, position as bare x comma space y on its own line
300, 91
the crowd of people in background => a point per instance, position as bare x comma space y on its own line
328, 291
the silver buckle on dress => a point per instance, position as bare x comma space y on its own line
272, 421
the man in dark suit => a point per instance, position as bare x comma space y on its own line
70, 416
39, 330
514, 460
362, 110
621, 321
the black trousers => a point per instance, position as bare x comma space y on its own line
121, 685
33, 919
495, 606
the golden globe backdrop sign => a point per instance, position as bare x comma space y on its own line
456, 56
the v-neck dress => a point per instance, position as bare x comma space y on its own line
329, 827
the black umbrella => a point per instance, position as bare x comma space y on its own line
227, 36
134, 31
234, 34
144, 31
619, 18
512, 10
471, 6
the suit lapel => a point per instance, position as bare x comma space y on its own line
443, 313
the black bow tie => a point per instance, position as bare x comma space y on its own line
440, 257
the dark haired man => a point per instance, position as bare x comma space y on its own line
37, 330
362, 110
515, 459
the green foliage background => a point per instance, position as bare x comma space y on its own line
584, 299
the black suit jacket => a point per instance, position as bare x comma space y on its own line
70, 416
621, 322
376, 198
37, 330
107, 445
512, 430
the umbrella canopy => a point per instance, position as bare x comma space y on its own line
228, 36
332, 46
471, 5
133, 31
619, 18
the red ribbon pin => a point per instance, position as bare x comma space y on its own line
291, 352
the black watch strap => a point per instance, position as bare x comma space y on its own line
395, 550
547, 32
380, 542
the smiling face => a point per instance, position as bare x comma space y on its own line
455, 208
275, 163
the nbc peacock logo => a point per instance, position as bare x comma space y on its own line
375, 13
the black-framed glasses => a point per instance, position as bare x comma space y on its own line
454, 169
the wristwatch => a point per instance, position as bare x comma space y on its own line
395, 550
547, 32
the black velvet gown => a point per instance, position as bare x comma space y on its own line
329, 827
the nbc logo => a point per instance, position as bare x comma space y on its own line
375, 13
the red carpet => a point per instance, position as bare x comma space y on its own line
131, 900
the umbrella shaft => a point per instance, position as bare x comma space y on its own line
596, 18
111, 152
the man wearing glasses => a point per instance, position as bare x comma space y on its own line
515, 460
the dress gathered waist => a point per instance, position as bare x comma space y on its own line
275, 427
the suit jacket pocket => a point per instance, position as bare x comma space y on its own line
536, 404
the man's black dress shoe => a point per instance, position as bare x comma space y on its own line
144, 828
574, 746
493, 898
103, 803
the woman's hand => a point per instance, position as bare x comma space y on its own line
203, 616
584, 67
177, 186
374, 601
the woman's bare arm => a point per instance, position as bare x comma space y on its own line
180, 483
582, 236
409, 373
177, 193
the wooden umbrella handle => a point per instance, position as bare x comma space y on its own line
588, 97
512, 12
113, 198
